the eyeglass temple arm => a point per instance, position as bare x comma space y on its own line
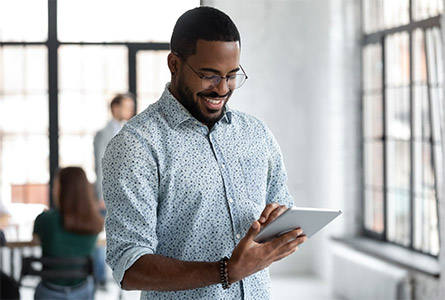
242, 69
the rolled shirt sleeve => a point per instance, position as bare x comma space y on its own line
130, 189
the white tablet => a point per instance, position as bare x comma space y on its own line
311, 220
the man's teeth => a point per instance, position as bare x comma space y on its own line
213, 101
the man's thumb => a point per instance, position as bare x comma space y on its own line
253, 230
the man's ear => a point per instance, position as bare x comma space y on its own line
173, 63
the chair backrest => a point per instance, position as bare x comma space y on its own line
57, 267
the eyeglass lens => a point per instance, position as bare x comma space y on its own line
234, 81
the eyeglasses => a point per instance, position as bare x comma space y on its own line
208, 82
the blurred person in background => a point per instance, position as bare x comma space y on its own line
9, 288
122, 109
69, 230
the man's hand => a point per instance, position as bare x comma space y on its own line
271, 212
250, 257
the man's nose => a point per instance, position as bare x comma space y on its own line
223, 86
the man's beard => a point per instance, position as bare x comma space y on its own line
186, 99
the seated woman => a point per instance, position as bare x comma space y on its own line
69, 230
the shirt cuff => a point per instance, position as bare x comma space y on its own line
127, 260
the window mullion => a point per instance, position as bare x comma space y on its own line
385, 141
412, 146
53, 45
431, 117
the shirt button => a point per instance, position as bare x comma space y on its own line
238, 236
223, 166
230, 200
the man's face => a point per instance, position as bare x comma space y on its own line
125, 110
211, 58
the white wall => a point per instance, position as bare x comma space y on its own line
302, 60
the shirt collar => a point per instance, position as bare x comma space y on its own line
176, 114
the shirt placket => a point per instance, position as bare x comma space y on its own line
228, 186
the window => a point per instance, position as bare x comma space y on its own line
23, 20
119, 20
24, 123
151, 75
89, 76
98, 48
403, 121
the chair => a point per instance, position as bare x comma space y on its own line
56, 268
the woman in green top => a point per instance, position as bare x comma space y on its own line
69, 230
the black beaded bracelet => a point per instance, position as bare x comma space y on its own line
223, 273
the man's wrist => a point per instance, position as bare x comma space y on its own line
231, 271
223, 272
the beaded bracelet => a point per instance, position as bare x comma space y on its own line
223, 273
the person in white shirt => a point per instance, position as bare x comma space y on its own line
122, 109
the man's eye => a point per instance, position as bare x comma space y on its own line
210, 77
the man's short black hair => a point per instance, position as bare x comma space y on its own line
202, 23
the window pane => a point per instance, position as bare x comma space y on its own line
398, 216
398, 113
438, 166
419, 60
435, 54
152, 76
372, 68
374, 164
435, 78
422, 124
383, 14
432, 56
89, 78
76, 149
372, 116
397, 69
421, 121
374, 210
436, 115
24, 144
423, 9
398, 165
435, 61
426, 234
24, 68
117, 20
23, 20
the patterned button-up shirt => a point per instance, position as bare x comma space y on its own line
175, 188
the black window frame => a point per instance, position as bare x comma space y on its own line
378, 37
52, 44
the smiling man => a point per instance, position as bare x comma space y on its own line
189, 182
207, 101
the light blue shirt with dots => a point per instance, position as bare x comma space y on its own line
175, 188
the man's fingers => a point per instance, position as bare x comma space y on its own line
288, 245
285, 254
271, 212
275, 214
290, 237
266, 212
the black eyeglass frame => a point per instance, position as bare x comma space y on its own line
226, 78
